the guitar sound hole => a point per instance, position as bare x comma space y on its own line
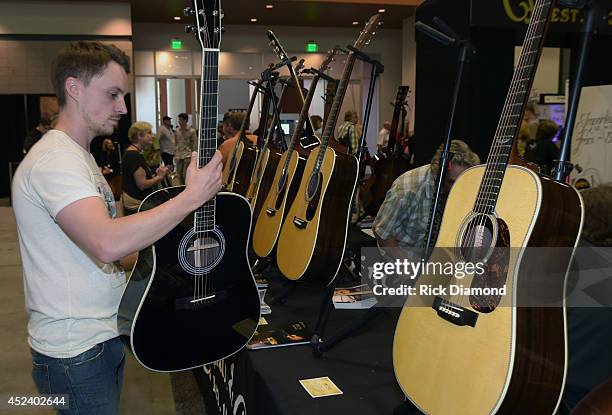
202, 251
281, 182
477, 239
313, 185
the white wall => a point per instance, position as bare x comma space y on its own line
65, 18
547, 75
25, 64
386, 45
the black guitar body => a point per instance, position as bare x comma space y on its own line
171, 316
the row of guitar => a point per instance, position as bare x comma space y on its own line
301, 204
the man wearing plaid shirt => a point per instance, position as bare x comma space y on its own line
402, 220
349, 132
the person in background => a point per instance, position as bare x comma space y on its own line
530, 118
186, 142
349, 132
402, 221
138, 180
522, 139
167, 141
108, 160
543, 151
231, 125
220, 134
36, 133
383, 137
317, 124
71, 239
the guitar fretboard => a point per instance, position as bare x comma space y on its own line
511, 116
207, 142
330, 124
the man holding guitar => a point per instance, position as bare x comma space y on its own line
70, 239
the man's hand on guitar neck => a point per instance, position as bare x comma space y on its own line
204, 183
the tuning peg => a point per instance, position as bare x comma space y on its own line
187, 11
190, 28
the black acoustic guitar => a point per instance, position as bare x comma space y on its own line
191, 299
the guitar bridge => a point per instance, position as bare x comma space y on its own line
454, 313
191, 303
271, 211
300, 223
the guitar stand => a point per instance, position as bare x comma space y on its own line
377, 69
448, 37
320, 346
282, 296
261, 265
266, 75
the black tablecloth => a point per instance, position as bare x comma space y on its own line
267, 381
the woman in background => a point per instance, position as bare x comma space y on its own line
138, 180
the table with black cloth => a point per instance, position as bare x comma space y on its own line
267, 381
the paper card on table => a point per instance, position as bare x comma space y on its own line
319, 387
263, 321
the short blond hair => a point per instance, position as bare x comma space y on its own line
462, 154
139, 127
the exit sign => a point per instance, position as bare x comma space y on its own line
177, 44
312, 47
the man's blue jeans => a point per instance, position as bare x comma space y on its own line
92, 379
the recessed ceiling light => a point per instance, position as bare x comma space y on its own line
355, 23
269, 6
382, 10
177, 17
253, 19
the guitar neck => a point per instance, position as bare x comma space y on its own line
247, 115
511, 117
303, 115
207, 141
397, 110
330, 124
272, 128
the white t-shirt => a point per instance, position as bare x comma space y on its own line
383, 138
72, 298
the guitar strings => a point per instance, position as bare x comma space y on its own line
507, 129
497, 157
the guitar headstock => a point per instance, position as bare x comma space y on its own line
402, 94
207, 28
328, 59
368, 32
276, 46
299, 66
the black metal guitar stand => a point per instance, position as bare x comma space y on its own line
562, 167
308, 138
267, 76
466, 50
320, 346
377, 69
